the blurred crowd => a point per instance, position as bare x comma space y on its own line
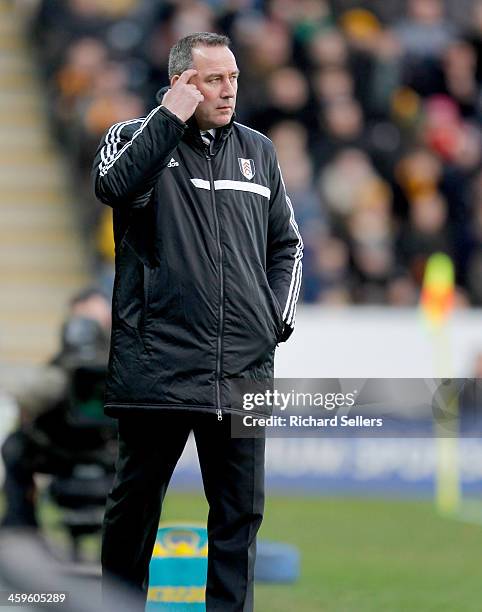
374, 107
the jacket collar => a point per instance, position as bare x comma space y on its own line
193, 135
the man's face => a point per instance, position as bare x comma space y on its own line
217, 80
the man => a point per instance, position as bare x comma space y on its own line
45, 441
208, 270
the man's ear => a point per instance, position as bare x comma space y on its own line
174, 79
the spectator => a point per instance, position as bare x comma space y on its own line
373, 108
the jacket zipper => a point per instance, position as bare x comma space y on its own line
219, 410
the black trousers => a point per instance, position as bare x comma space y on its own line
233, 478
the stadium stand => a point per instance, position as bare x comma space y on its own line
43, 260
374, 108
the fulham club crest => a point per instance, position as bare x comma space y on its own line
247, 167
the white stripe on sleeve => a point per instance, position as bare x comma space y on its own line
112, 160
112, 139
289, 312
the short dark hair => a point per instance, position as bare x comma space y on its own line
180, 55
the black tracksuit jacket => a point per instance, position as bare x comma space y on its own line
208, 262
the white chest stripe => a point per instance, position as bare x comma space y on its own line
242, 186
235, 185
201, 184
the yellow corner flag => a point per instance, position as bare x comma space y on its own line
437, 302
438, 290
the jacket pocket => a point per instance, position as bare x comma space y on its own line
146, 297
278, 313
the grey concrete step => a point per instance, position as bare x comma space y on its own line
14, 79
13, 318
26, 357
29, 344
43, 262
16, 63
17, 118
48, 238
25, 196
10, 40
35, 217
25, 136
19, 156
34, 177
52, 256
50, 284
23, 100
21, 357
48, 300
32, 334
53, 295
9, 26
31, 164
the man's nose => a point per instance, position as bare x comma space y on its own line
228, 89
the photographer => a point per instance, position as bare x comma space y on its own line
46, 440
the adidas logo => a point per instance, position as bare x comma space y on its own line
172, 163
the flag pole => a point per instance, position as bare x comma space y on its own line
437, 302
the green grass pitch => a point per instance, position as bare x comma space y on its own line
364, 555
357, 555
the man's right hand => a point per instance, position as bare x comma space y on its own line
183, 97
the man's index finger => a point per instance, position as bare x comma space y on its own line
187, 75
